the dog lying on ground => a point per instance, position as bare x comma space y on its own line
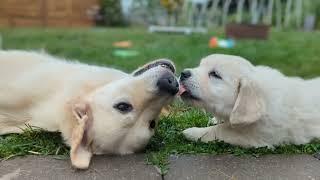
98, 110
258, 105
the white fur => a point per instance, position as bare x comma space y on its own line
288, 110
78, 100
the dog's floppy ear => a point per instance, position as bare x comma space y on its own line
249, 105
80, 152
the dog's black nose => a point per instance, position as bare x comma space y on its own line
168, 83
185, 75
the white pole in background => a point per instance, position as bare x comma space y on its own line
278, 14
225, 11
287, 17
239, 11
269, 12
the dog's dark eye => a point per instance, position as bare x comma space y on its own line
152, 124
215, 74
123, 107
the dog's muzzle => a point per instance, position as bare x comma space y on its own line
168, 83
186, 74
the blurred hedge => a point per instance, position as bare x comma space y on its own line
111, 13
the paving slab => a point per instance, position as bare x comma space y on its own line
198, 167
271, 167
101, 167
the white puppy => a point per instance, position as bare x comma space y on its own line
258, 105
98, 110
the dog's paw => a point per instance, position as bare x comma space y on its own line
195, 134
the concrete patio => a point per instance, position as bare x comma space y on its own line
181, 167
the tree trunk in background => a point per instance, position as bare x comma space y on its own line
298, 12
254, 11
269, 12
201, 14
185, 13
213, 15
191, 14
226, 6
239, 11
287, 16
278, 14
260, 10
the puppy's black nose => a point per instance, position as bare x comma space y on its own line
185, 75
168, 83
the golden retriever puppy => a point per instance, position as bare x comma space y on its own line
98, 110
256, 105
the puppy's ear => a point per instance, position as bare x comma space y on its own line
80, 152
249, 105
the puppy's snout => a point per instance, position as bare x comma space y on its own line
168, 83
185, 75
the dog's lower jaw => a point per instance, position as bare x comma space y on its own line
189, 96
193, 102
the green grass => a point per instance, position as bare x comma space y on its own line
294, 53
32, 142
169, 140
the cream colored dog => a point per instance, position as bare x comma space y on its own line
258, 105
98, 110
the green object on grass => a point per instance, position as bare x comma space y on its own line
125, 53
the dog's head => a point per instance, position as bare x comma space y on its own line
225, 86
120, 117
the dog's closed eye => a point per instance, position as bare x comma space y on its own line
215, 74
123, 107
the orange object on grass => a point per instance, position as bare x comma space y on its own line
122, 44
213, 42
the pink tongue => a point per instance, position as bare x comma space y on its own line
182, 89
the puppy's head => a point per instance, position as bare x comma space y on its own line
120, 117
224, 85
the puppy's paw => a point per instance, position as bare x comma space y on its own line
195, 134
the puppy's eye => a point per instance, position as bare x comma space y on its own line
123, 107
215, 75
152, 124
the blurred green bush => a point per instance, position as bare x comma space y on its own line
111, 13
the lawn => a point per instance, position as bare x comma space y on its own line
294, 53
